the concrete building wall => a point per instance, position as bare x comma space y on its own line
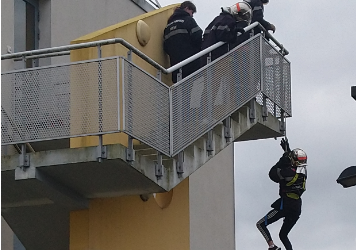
68, 24
7, 32
45, 30
128, 222
59, 23
7, 236
211, 199
63, 21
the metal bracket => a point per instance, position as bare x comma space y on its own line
209, 143
101, 150
130, 152
264, 109
252, 111
282, 126
159, 75
179, 164
129, 55
24, 161
99, 51
159, 166
24, 59
208, 59
282, 50
179, 75
227, 129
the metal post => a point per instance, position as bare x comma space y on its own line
171, 134
159, 124
100, 148
262, 63
129, 55
282, 126
159, 74
209, 91
179, 75
130, 152
180, 115
24, 61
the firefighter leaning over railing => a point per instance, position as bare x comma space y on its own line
227, 27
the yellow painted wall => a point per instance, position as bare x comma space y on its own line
128, 223
156, 20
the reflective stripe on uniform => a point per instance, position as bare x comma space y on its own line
175, 32
293, 180
293, 196
225, 27
257, 8
196, 29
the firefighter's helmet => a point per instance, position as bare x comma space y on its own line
298, 157
241, 11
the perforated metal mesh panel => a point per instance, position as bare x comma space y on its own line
271, 106
59, 101
94, 97
147, 108
207, 97
276, 78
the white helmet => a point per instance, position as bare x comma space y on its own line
242, 11
298, 157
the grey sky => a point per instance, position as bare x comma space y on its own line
321, 39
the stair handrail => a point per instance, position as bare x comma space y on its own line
129, 46
218, 44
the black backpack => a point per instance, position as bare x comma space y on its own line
273, 174
283, 162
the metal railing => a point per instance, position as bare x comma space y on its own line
57, 101
57, 51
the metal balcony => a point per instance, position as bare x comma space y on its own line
170, 131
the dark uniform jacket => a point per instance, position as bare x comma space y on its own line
223, 28
182, 39
257, 15
291, 186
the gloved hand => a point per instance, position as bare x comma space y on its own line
285, 145
272, 27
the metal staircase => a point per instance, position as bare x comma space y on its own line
171, 131
243, 95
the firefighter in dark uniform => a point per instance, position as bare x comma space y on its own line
258, 9
225, 27
290, 172
182, 38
